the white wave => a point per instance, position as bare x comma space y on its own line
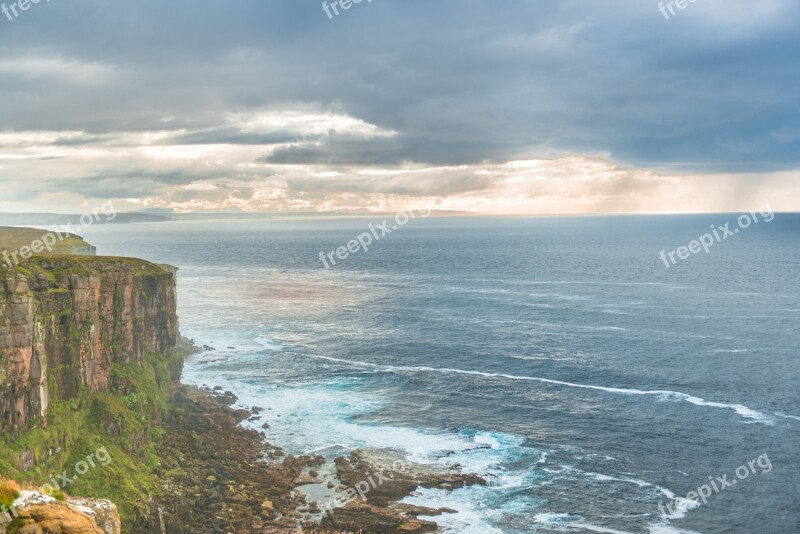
556, 296
487, 439
606, 478
665, 528
743, 411
307, 417
677, 510
304, 419
612, 312
589, 283
787, 416
538, 358
548, 518
267, 343
210, 357
733, 351
508, 481
485, 453
776, 295
570, 522
595, 528
578, 327
681, 507
760, 317
470, 517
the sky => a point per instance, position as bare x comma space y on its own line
517, 107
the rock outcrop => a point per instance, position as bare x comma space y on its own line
65, 321
36, 513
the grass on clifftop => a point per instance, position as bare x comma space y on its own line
12, 239
72, 255
53, 266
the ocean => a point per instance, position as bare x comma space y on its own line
593, 386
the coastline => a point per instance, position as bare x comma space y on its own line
186, 458
220, 474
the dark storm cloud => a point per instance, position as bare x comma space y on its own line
111, 187
233, 136
347, 150
338, 150
130, 184
460, 81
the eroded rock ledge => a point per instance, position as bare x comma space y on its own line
33, 512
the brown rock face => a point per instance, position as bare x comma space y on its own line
77, 516
64, 322
378, 510
104, 513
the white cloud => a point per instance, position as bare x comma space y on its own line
308, 124
163, 169
200, 186
69, 70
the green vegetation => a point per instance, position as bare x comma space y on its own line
54, 493
123, 422
72, 255
12, 239
57, 267
9, 491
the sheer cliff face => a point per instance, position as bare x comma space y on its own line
65, 321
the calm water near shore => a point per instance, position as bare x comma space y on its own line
557, 356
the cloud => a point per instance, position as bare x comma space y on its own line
42, 69
262, 99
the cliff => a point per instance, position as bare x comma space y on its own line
32, 240
87, 367
65, 322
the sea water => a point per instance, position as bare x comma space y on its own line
558, 357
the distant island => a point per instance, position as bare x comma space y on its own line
45, 219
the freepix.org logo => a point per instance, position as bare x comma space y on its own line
13, 10
332, 9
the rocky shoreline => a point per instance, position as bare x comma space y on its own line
91, 357
220, 477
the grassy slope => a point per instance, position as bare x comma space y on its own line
12, 238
